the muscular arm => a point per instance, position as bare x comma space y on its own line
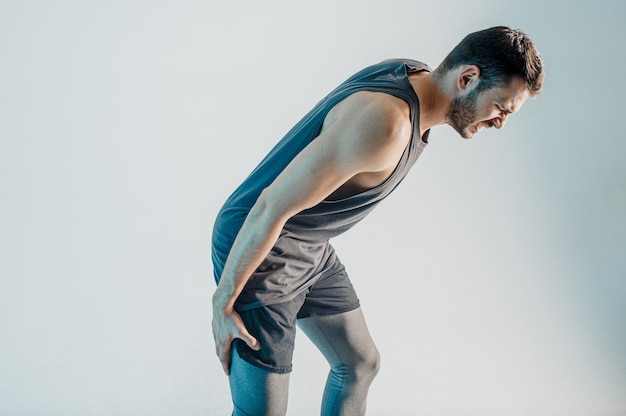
364, 134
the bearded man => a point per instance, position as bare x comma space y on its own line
273, 262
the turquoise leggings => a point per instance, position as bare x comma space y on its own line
345, 342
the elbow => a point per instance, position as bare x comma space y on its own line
268, 209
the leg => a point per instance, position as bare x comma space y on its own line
354, 360
256, 391
259, 380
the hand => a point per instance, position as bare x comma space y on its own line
228, 325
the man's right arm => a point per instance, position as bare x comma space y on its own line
254, 241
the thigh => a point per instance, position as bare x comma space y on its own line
331, 294
274, 326
256, 391
343, 338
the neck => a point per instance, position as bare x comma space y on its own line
434, 102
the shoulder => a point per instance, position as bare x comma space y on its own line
373, 114
381, 117
376, 126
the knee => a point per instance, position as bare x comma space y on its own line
367, 366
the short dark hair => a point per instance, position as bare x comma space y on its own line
502, 54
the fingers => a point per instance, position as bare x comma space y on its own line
225, 352
225, 358
225, 330
249, 340
223, 347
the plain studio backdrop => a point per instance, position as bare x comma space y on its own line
493, 279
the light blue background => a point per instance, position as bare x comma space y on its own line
493, 279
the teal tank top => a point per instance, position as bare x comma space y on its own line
302, 252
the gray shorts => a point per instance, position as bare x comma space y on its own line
274, 326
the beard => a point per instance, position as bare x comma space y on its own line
462, 113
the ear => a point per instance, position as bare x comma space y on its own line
468, 77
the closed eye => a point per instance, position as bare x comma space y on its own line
503, 110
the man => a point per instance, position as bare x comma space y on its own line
272, 260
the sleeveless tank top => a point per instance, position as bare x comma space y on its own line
302, 251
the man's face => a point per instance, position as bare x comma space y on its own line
473, 111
